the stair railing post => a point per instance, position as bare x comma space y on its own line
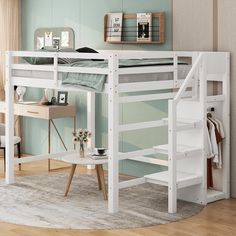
203, 101
172, 168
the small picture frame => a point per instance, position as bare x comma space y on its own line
62, 97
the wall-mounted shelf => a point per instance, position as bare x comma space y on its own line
129, 29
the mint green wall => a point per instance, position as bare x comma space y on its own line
86, 18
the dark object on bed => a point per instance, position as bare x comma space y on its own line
88, 50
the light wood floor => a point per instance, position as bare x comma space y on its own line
216, 219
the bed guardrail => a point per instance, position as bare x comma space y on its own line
55, 68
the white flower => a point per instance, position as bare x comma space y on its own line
81, 135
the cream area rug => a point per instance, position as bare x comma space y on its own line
39, 201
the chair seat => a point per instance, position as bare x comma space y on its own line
17, 139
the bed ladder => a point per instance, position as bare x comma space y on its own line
185, 148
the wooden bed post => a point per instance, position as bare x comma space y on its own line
91, 115
9, 122
203, 101
91, 120
113, 134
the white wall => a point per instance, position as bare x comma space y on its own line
193, 25
227, 42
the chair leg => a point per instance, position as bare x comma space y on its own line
4, 156
19, 153
4, 159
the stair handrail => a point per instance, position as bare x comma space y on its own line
188, 78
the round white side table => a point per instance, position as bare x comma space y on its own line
75, 160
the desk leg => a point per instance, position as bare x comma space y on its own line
70, 178
50, 121
58, 134
49, 143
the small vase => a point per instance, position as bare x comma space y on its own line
81, 149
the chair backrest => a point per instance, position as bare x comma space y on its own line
2, 129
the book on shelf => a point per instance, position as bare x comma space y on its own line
114, 27
144, 27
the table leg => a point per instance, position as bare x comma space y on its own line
70, 178
74, 130
99, 180
102, 181
49, 143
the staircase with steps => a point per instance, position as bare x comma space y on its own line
187, 149
185, 174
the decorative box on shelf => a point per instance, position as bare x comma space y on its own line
144, 27
134, 28
114, 27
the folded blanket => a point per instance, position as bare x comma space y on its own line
94, 81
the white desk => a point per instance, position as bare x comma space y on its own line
44, 112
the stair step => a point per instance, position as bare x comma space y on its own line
151, 160
186, 124
183, 151
183, 179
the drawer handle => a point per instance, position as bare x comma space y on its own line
33, 112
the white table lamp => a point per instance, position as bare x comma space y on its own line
20, 92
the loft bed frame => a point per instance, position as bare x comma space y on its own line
186, 121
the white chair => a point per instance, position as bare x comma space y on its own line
17, 141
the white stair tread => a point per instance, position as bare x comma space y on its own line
183, 179
181, 149
215, 195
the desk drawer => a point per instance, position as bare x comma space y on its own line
32, 111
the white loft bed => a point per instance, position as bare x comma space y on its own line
188, 103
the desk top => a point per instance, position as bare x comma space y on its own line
41, 111
75, 159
